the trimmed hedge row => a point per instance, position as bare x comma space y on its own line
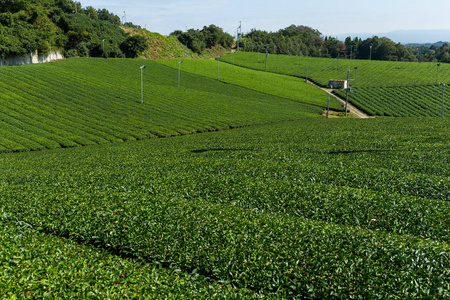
37, 265
95, 101
245, 207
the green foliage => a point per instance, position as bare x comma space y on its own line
303, 40
433, 53
291, 41
308, 209
133, 45
278, 85
94, 101
419, 101
376, 48
36, 265
209, 37
380, 88
86, 32
27, 26
363, 73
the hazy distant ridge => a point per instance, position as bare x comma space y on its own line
406, 36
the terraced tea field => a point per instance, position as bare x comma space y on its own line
367, 74
278, 85
287, 205
424, 101
315, 208
80, 102
380, 88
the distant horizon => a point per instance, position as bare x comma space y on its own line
418, 36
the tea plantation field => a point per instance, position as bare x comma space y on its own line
380, 88
278, 85
368, 73
80, 102
314, 208
423, 101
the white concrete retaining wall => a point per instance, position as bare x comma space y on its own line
32, 58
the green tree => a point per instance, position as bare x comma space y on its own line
209, 37
133, 45
386, 51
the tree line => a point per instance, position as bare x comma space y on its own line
306, 41
30, 25
198, 40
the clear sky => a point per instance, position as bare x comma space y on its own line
331, 18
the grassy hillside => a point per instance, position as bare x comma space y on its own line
280, 85
380, 88
316, 208
418, 101
368, 73
95, 101
166, 47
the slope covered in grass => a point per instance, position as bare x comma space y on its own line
315, 208
94, 101
380, 88
279, 85
166, 47
363, 73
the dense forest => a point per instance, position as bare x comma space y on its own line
384, 49
30, 25
305, 41
207, 38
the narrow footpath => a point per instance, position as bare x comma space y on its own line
350, 107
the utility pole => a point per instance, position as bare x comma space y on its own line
179, 73
239, 34
259, 50
50, 50
443, 94
437, 76
267, 54
328, 107
339, 56
233, 61
370, 55
103, 41
142, 84
146, 42
404, 58
348, 90
218, 69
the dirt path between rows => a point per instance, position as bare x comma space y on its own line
351, 108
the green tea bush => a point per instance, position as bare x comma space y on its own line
79, 102
276, 209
